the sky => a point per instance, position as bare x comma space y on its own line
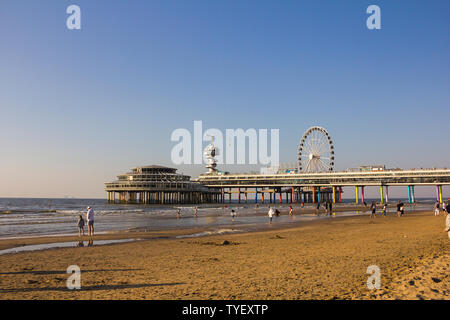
79, 107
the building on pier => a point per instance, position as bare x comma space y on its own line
158, 185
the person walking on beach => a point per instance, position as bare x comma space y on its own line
90, 220
270, 213
447, 219
195, 212
291, 211
399, 208
373, 207
233, 215
384, 210
330, 208
318, 208
178, 213
436, 208
80, 226
303, 205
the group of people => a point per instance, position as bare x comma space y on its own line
89, 220
445, 207
373, 208
275, 212
328, 205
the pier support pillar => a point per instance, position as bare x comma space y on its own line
362, 195
262, 196
409, 194
245, 195
334, 194
293, 195
314, 194
256, 195
357, 195
439, 190
340, 194
381, 195
239, 195
413, 195
281, 197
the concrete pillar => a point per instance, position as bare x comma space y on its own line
362, 194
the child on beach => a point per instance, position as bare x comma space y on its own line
291, 211
178, 213
384, 210
80, 226
436, 208
233, 215
270, 214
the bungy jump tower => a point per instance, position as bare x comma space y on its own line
312, 180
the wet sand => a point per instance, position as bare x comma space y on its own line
325, 259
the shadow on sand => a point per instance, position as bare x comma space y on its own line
91, 288
62, 272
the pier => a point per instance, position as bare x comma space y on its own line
323, 186
158, 185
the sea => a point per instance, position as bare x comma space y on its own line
28, 217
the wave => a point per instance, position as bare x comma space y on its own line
209, 233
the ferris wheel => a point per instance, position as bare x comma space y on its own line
316, 151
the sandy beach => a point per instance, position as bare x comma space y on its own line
324, 259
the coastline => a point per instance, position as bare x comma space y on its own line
321, 259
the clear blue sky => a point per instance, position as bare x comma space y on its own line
79, 107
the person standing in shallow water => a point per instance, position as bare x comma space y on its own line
270, 214
80, 226
90, 220
373, 207
233, 215
436, 208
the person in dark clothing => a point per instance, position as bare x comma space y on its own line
373, 207
400, 208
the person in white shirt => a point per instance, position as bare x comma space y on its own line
90, 220
271, 213
436, 208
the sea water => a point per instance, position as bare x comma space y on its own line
24, 217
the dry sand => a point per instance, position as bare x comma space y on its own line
314, 260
